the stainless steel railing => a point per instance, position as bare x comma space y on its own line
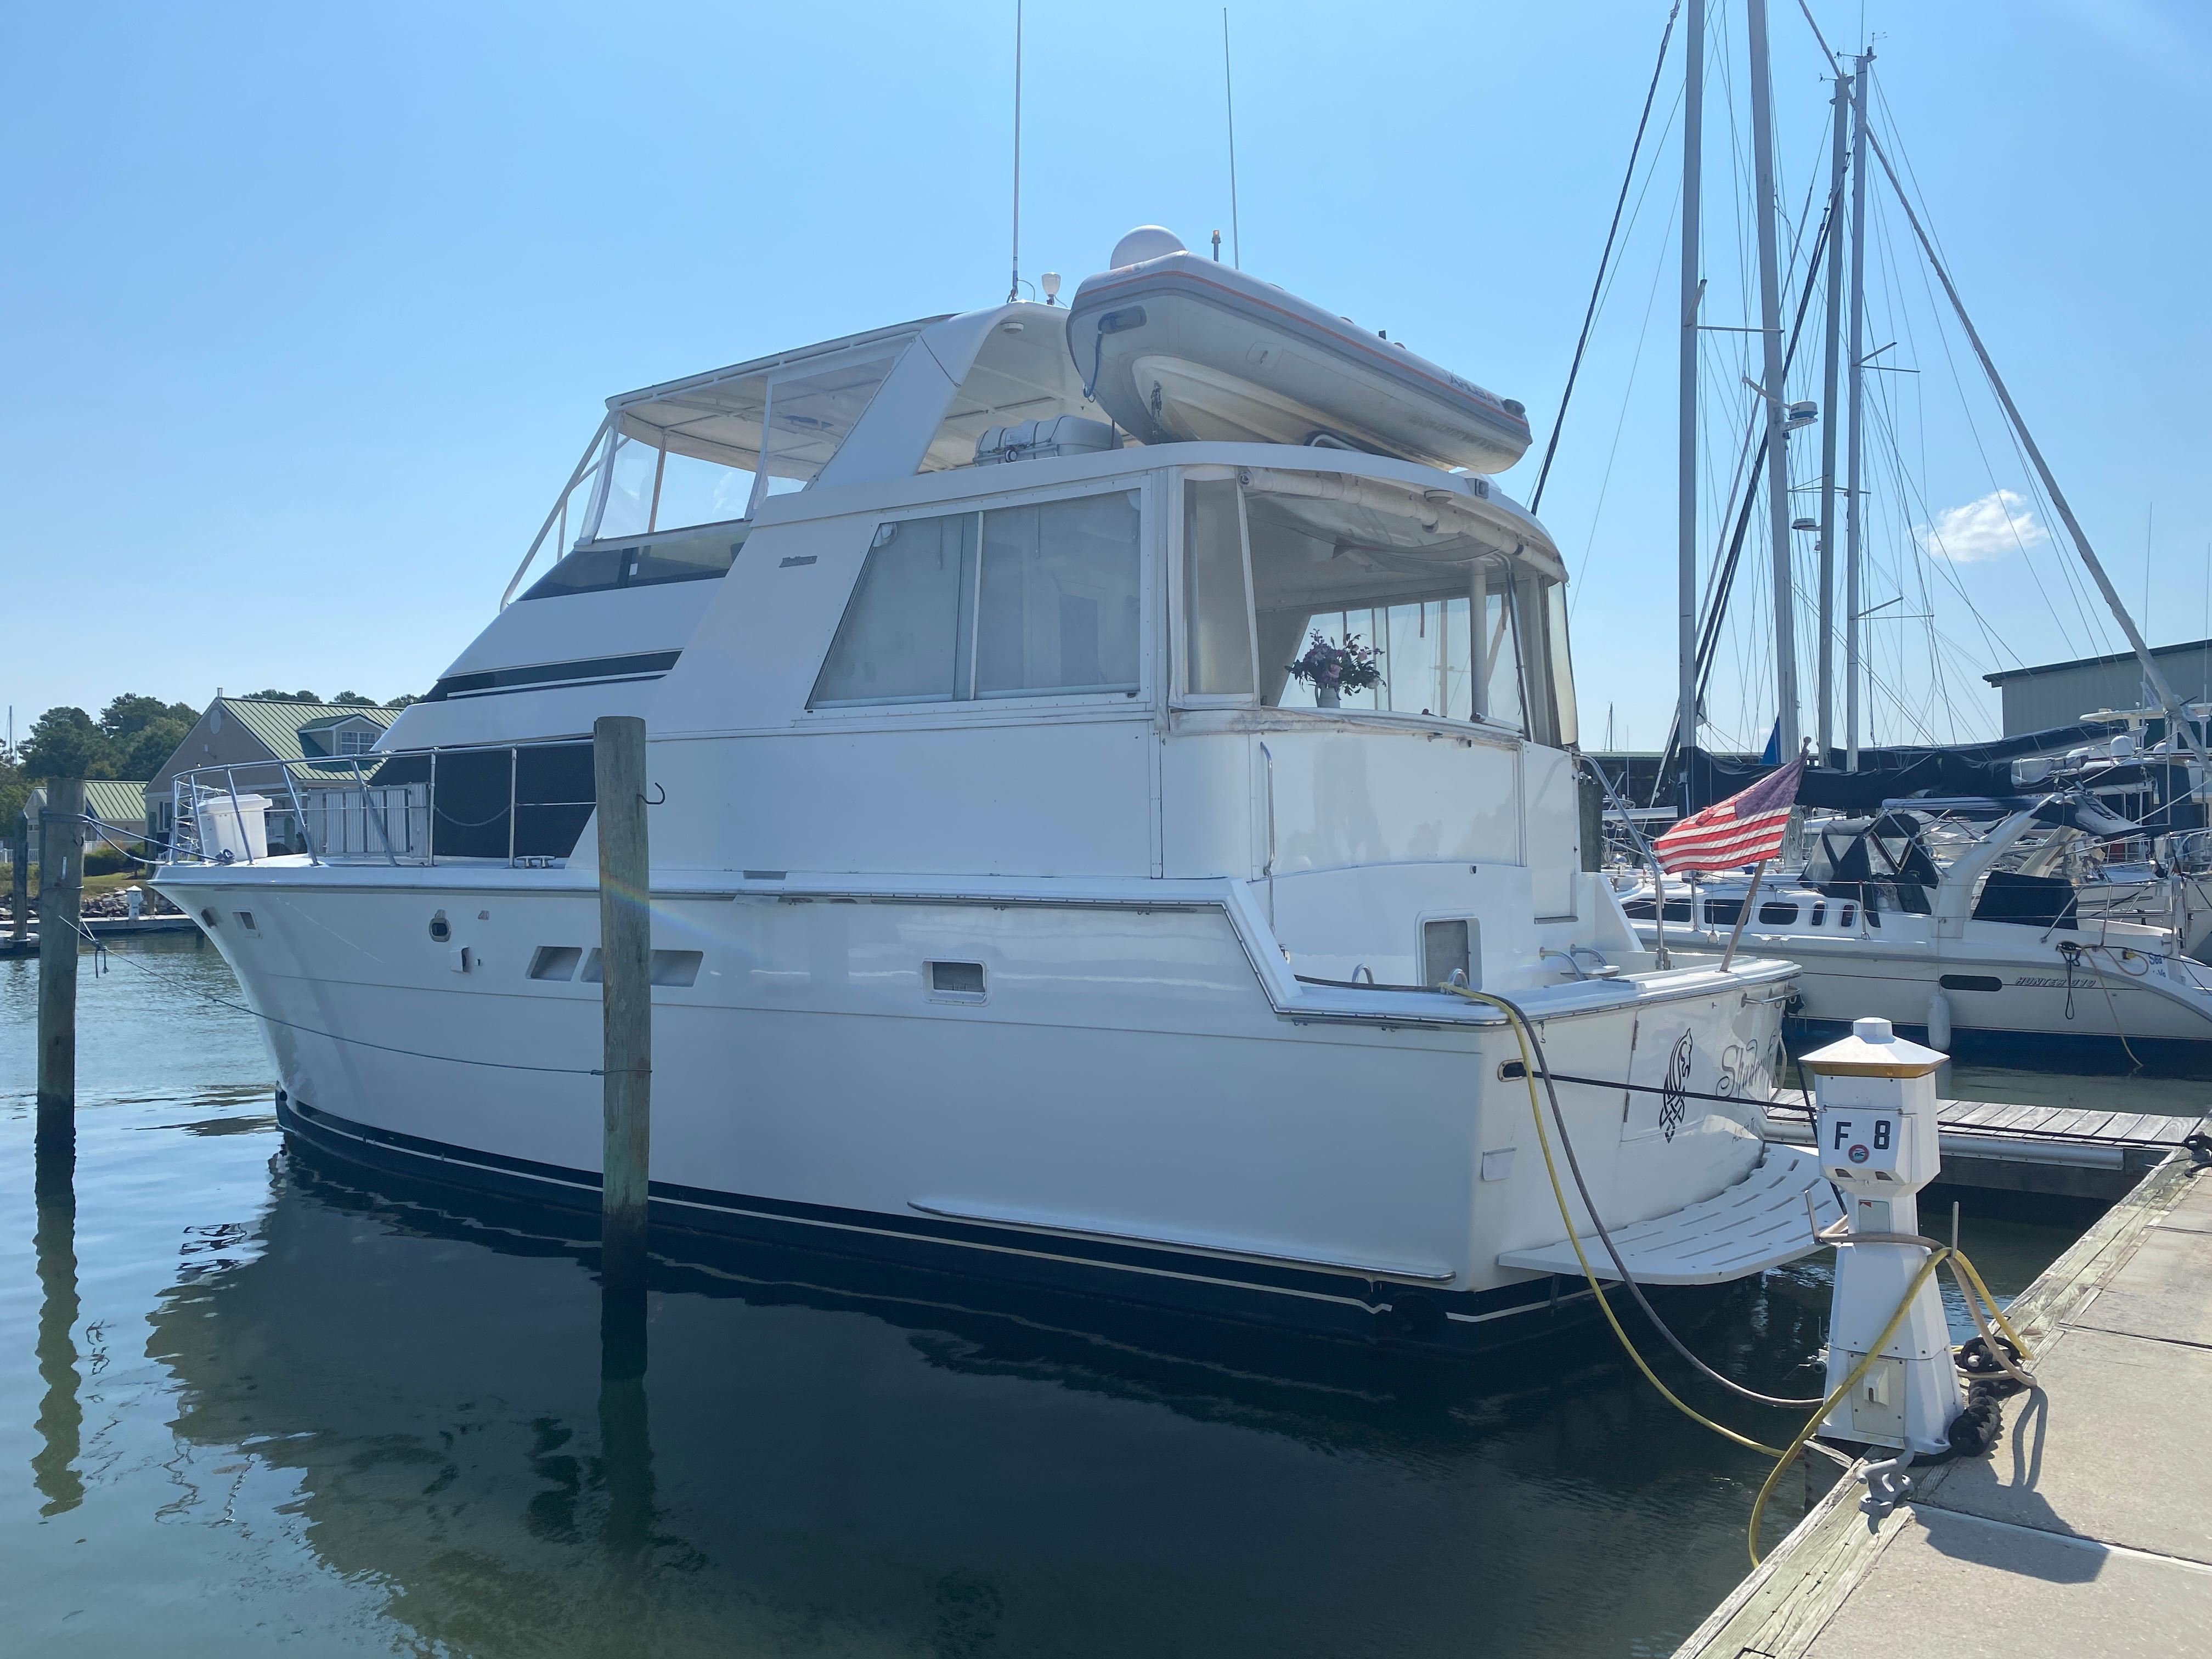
522, 804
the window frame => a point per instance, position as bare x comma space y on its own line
1001, 708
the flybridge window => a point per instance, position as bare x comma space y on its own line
710, 453
1264, 570
681, 559
1021, 601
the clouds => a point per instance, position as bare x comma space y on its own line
1999, 523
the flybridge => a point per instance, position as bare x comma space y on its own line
1163, 348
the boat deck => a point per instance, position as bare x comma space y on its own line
2063, 1151
2087, 1531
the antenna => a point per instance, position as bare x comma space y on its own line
1014, 289
1229, 96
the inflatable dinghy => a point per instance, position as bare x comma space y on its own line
1177, 347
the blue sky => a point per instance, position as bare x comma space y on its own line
309, 310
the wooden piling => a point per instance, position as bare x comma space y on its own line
19, 883
626, 1000
61, 882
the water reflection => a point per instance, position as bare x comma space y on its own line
60, 1423
814, 1461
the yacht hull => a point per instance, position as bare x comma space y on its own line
1122, 1113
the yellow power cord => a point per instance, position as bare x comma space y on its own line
1524, 1036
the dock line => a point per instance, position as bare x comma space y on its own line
1970, 1283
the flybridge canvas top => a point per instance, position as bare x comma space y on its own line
719, 416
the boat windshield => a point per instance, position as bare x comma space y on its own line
1270, 563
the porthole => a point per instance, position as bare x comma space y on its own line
441, 929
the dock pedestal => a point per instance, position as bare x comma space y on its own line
1877, 1128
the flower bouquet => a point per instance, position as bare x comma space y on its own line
1333, 669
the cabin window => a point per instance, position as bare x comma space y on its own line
1216, 609
1058, 606
1723, 913
1501, 650
1461, 631
1778, 913
1020, 601
648, 564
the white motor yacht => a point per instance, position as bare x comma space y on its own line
1946, 919
1013, 911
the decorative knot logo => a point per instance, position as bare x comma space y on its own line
1674, 1102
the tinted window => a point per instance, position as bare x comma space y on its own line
1020, 601
595, 569
1778, 915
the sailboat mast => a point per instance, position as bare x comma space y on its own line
1853, 515
1824, 723
1694, 127
1778, 431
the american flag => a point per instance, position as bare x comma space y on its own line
1744, 828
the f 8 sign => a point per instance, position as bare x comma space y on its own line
1860, 1142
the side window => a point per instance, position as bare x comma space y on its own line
909, 617
1501, 650
1217, 633
1058, 611
1020, 601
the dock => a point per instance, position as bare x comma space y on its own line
2087, 1531
2061, 1151
105, 928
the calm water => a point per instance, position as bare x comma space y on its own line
247, 1404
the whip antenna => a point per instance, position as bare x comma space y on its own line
1014, 289
1229, 96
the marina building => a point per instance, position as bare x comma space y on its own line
2048, 695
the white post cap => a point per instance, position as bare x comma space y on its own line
1873, 1029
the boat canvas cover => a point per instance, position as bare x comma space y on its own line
1973, 768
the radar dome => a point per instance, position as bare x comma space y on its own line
1145, 242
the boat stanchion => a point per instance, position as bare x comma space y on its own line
1876, 1099
61, 884
626, 1000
